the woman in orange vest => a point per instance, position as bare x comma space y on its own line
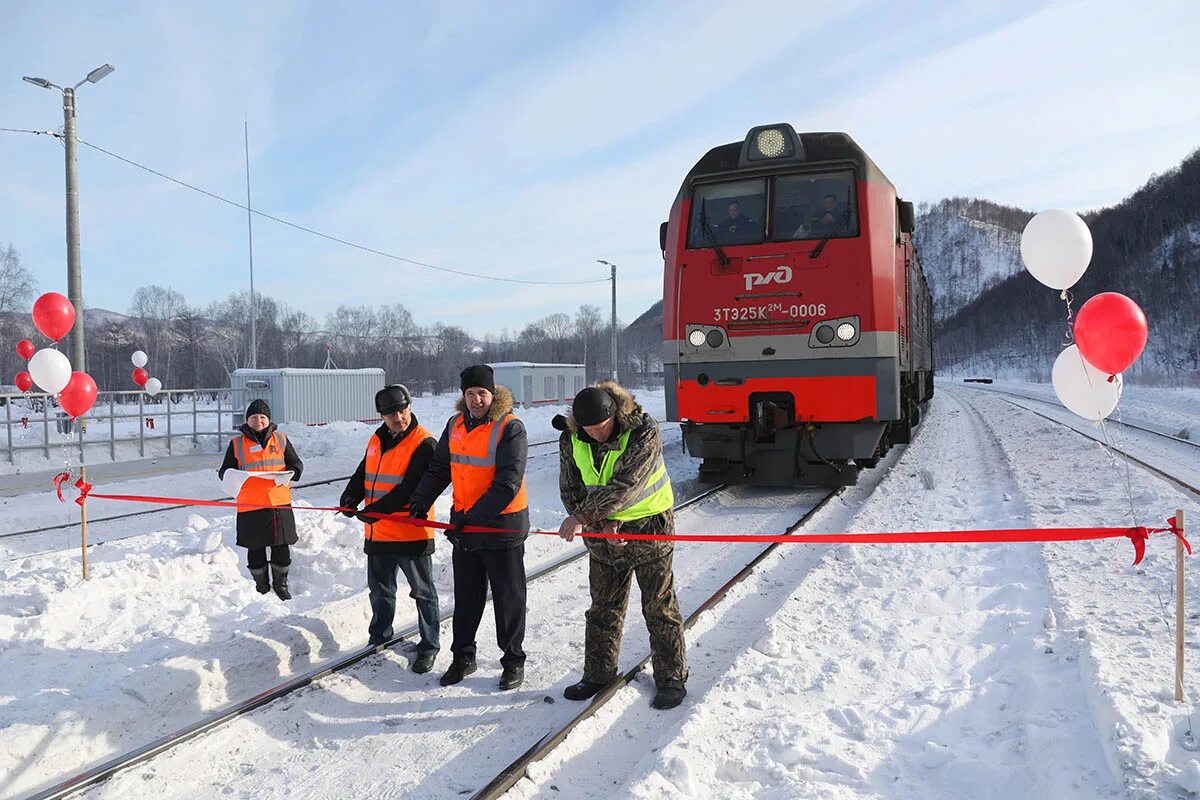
259, 447
482, 452
397, 456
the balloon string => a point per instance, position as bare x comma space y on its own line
1068, 298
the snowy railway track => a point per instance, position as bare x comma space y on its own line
108, 769
1122, 423
1186, 482
514, 772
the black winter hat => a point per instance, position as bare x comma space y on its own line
593, 406
391, 399
258, 407
480, 375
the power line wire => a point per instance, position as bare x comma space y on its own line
317, 233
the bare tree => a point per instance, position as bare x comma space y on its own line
16, 283
559, 329
589, 323
156, 309
16, 290
294, 326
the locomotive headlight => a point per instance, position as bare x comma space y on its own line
824, 334
715, 338
846, 331
696, 338
770, 142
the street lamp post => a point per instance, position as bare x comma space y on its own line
613, 267
74, 268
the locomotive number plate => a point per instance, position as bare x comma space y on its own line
769, 311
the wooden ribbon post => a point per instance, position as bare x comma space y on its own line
83, 505
1179, 607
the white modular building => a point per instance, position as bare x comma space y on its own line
309, 396
538, 384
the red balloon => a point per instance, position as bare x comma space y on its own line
25, 349
1111, 332
53, 315
24, 381
140, 376
79, 396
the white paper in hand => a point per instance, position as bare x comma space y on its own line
235, 478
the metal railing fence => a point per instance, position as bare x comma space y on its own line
212, 414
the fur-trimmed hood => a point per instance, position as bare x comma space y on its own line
629, 412
502, 403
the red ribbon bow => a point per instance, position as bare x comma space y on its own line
1140, 534
83, 486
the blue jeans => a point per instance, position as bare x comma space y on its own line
381, 582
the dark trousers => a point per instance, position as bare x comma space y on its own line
381, 583
256, 557
504, 571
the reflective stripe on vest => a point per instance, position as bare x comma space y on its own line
655, 496
384, 472
473, 462
251, 457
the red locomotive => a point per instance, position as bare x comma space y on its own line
797, 324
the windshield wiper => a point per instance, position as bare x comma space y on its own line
712, 236
842, 220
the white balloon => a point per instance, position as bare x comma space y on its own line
1082, 388
153, 386
1056, 246
139, 358
51, 370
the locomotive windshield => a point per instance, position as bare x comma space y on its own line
813, 206
729, 213
803, 206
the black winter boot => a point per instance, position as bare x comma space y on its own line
424, 662
459, 669
668, 697
583, 690
279, 578
512, 677
262, 581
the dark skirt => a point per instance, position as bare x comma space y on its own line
266, 527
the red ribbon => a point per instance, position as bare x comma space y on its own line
1136, 534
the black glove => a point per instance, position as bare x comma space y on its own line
419, 510
456, 527
349, 502
370, 508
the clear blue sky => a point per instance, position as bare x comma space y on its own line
529, 139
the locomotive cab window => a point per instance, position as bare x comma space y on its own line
728, 214
814, 206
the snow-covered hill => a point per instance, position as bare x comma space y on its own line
966, 247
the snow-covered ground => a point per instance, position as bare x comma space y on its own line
849, 671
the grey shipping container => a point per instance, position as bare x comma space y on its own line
538, 384
309, 396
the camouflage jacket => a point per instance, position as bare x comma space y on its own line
636, 464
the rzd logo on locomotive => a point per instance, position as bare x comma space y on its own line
781, 275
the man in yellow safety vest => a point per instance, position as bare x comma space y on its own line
613, 479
